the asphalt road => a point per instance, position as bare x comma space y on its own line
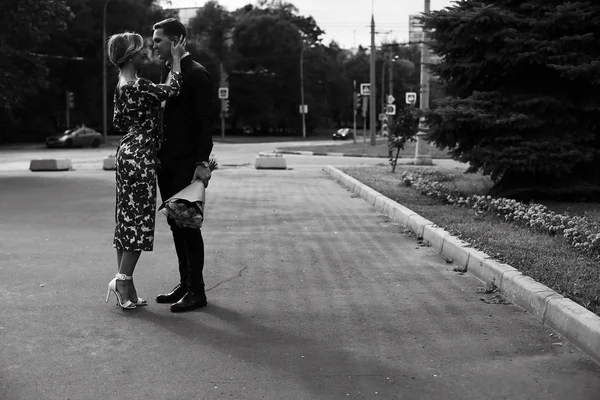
17, 158
313, 295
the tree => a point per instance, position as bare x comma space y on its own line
58, 44
264, 67
213, 25
523, 82
26, 28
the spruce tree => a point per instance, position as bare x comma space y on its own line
523, 105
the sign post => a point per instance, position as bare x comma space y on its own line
388, 119
224, 96
365, 107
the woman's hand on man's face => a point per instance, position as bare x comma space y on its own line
178, 47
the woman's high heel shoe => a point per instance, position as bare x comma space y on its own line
112, 287
140, 302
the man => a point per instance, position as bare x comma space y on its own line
186, 147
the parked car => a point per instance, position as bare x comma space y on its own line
343, 134
76, 137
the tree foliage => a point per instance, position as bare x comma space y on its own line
26, 28
259, 45
523, 82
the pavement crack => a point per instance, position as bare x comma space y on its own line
238, 275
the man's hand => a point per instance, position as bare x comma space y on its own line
203, 173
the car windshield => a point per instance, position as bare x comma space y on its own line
67, 132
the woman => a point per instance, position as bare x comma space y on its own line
137, 115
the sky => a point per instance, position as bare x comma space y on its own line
348, 21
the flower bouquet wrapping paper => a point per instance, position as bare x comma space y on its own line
186, 207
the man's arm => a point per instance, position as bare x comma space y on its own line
201, 83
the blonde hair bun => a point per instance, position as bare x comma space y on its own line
122, 46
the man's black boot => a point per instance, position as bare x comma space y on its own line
174, 296
191, 301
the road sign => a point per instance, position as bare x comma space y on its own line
304, 109
390, 99
411, 97
390, 109
365, 89
223, 93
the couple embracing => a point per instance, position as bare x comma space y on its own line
167, 135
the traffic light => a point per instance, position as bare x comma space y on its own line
357, 101
225, 105
71, 99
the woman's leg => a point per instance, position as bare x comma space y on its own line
129, 260
119, 257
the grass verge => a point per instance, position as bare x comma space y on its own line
366, 150
548, 260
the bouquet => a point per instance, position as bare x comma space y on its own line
186, 207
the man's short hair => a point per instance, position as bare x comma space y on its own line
171, 27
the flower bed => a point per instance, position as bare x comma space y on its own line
578, 231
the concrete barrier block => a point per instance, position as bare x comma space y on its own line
576, 324
492, 270
369, 195
401, 214
417, 224
270, 162
380, 202
109, 163
388, 207
435, 236
50, 165
527, 293
455, 249
475, 263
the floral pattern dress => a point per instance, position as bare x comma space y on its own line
137, 114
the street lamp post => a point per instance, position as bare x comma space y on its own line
422, 154
302, 91
104, 94
373, 85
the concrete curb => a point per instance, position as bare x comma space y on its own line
578, 325
312, 153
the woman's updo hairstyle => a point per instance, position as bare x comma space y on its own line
122, 46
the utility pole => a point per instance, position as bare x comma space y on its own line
422, 155
68, 110
373, 86
223, 84
104, 93
355, 111
382, 86
302, 109
391, 125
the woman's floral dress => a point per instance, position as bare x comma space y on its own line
137, 114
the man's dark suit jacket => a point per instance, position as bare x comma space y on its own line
187, 123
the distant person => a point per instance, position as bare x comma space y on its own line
137, 116
184, 155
